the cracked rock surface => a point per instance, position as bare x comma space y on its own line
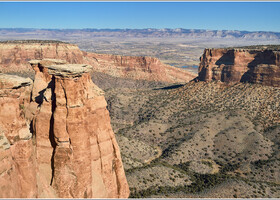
73, 152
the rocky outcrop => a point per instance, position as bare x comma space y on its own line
73, 152
15, 57
241, 65
139, 68
17, 169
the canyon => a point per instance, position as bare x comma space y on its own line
16, 54
232, 65
216, 135
56, 136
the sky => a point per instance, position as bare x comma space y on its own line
250, 16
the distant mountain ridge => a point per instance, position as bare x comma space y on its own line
148, 32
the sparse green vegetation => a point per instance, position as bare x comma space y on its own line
211, 125
21, 106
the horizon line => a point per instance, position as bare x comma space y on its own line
136, 29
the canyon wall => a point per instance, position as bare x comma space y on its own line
58, 142
15, 56
139, 68
240, 65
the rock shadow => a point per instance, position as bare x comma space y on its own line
170, 87
226, 59
265, 57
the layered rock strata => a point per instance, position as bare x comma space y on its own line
73, 152
240, 65
15, 57
139, 68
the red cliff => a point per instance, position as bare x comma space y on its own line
139, 68
241, 65
17, 153
15, 55
71, 151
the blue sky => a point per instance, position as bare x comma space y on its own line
250, 16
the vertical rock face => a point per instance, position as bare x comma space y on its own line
15, 55
240, 65
17, 155
77, 145
59, 141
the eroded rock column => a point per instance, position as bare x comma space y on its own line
42, 106
86, 161
72, 138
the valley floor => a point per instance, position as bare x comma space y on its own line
199, 139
